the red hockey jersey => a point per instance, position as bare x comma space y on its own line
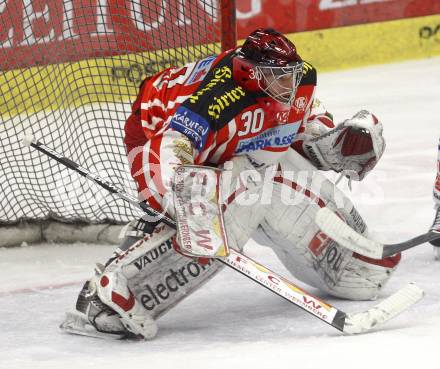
203, 102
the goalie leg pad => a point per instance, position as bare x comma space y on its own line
157, 277
164, 278
143, 279
307, 252
142, 288
112, 289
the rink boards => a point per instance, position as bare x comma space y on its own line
116, 79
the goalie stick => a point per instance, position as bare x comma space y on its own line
347, 323
342, 233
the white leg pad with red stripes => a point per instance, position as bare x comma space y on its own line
112, 288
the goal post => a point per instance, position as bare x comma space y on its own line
69, 71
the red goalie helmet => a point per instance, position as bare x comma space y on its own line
269, 61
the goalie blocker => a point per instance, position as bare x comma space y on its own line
145, 277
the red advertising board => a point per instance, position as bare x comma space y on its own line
39, 32
290, 16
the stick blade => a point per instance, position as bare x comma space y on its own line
384, 311
342, 233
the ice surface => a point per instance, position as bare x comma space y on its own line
234, 323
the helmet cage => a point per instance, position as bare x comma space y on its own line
272, 81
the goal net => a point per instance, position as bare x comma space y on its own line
69, 70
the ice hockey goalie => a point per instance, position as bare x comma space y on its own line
252, 112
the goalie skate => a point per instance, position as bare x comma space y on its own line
93, 318
76, 322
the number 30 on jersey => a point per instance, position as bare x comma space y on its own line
251, 122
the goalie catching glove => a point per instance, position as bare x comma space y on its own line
353, 147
